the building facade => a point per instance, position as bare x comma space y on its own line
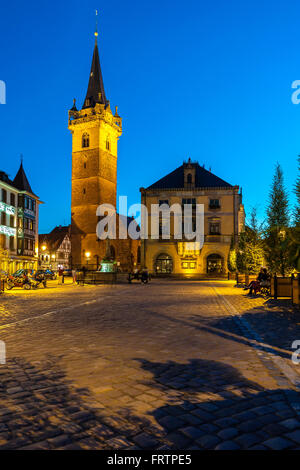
55, 249
223, 222
19, 212
95, 134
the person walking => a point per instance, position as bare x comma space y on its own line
74, 275
60, 276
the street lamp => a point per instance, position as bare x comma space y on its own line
87, 255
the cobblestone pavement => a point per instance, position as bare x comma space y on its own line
169, 365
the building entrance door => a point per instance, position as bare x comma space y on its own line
214, 264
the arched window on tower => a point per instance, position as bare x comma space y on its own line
189, 178
107, 144
85, 140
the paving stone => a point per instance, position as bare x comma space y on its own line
203, 415
145, 441
208, 441
226, 422
208, 428
248, 440
208, 407
277, 443
291, 423
295, 436
228, 433
274, 430
249, 426
227, 445
258, 447
171, 422
191, 419
288, 413
59, 440
192, 432
178, 440
268, 419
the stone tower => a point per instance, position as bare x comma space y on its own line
95, 133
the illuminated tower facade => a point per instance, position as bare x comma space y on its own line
95, 133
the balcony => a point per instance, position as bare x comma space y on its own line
217, 238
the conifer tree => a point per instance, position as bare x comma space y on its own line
250, 254
297, 192
231, 262
277, 226
294, 242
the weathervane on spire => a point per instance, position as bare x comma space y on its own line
96, 29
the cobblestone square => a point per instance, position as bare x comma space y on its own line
169, 365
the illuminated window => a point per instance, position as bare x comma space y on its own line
189, 265
85, 140
163, 264
214, 228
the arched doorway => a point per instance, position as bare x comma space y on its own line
214, 263
163, 264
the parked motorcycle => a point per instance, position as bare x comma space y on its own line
18, 281
37, 279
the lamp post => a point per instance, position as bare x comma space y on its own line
44, 248
87, 255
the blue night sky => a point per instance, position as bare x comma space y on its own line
206, 80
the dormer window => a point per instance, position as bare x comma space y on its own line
189, 178
85, 140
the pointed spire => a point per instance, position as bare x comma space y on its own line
74, 105
21, 182
95, 93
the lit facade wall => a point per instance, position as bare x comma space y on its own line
221, 224
18, 229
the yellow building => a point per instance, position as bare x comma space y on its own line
95, 133
223, 221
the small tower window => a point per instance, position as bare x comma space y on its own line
84, 165
107, 144
85, 140
84, 191
189, 178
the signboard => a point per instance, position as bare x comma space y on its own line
29, 213
11, 232
10, 210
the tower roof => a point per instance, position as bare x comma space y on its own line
21, 182
95, 92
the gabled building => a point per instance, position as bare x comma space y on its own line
55, 249
223, 221
19, 213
